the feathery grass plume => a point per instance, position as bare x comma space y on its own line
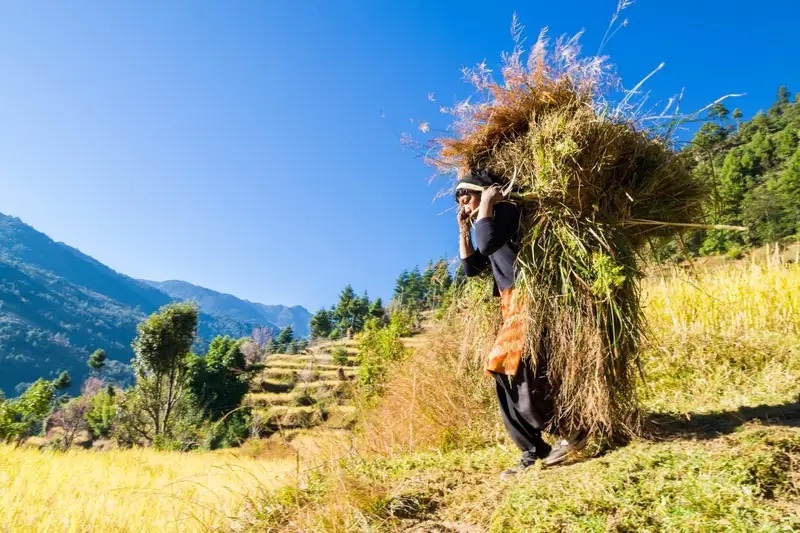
595, 185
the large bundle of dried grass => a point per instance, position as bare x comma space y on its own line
595, 187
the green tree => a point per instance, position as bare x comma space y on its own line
718, 112
343, 310
23, 416
220, 380
321, 324
285, 338
351, 311
737, 116
751, 173
161, 351
274, 346
360, 312
63, 381
401, 287
783, 95
97, 361
376, 310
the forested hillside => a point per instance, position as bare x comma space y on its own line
57, 305
753, 170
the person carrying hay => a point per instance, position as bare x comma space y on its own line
523, 391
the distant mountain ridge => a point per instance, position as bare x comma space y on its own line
227, 305
57, 305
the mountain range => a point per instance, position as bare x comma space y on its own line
220, 304
57, 305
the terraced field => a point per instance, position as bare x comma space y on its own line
305, 390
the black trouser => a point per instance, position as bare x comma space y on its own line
525, 404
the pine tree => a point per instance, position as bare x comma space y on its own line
321, 324
360, 312
97, 361
63, 381
737, 116
750, 170
376, 310
285, 338
401, 287
346, 310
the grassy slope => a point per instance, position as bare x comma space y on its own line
723, 454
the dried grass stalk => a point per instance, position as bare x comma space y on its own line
595, 186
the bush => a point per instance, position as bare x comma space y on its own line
339, 355
102, 412
443, 405
231, 431
734, 252
405, 321
378, 348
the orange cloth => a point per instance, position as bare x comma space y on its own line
507, 351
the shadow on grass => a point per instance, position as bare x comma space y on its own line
667, 426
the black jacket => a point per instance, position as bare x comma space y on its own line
497, 243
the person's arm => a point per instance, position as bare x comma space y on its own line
465, 247
473, 261
497, 223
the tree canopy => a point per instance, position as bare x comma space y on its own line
753, 169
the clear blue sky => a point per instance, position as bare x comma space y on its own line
240, 145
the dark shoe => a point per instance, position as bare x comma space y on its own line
526, 461
563, 449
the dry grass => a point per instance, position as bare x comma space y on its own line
594, 188
723, 338
305, 374
130, 490
431, 407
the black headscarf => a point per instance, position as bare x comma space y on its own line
475, 180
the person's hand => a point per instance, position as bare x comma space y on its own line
491, 195
463, 220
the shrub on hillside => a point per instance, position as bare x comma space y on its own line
339, 355
102, 412
405, 322
378, 348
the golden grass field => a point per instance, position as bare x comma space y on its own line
721, 338
137, 490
